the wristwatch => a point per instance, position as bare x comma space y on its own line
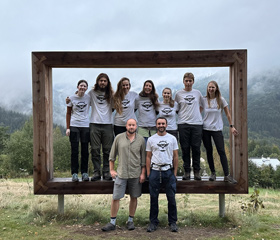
231, 126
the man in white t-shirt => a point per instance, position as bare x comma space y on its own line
162, 165
190, 125
101, 125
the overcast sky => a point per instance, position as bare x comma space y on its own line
131, 25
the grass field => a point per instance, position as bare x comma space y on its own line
28, 216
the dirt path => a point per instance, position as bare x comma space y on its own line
160, 233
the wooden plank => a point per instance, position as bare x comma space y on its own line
148, 59
66, 186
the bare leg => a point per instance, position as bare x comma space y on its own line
115, 207
132, 206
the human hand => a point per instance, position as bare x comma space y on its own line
67, 100
234, 131
113, 174
68, 132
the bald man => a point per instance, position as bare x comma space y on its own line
130, 149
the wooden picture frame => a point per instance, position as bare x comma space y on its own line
42, 64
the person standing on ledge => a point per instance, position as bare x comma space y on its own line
213, 104
162, 165
130, 149
190, 125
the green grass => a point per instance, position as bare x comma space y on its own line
28, 216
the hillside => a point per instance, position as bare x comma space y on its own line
263, 104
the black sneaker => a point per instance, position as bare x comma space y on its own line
108, 227
186, 176
130, 226
96, 176
173, 227
107, 176
151, 228
230, 179
212, 177
197, 176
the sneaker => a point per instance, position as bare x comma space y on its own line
197, 176
173, 227
108, 227
107, 176
85, 177
96, 176
230, 179
212, 177
75, 177
130, 226
186, 176
151, 228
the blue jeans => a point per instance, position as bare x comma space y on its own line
168, 181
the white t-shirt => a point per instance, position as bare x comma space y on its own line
189, 106
162, 148
80, 109
212, 120
101, 110
128, 105
146, 112
169, 113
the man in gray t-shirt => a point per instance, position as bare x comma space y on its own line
190, 125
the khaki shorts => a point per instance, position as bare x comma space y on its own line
147, 132
133, 184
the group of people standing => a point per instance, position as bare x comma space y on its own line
147, 146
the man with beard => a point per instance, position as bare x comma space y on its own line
162, 165
130, 149
101, 125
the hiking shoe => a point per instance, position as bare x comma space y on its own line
151, 228
230, 179
85, 177
130, 226
107, 176
75, 177
197, 176
212, 177
186, 176
108, 227
173, 227
96, 176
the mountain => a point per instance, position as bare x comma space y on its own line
263, 103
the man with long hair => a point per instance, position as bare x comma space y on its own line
101, 125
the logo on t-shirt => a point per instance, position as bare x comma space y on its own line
162, 145
125, 102
147, 106
81, 106
166, 111
189, 99
100, 99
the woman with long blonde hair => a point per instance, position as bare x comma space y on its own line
213, 105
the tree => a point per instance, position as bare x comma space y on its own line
20, 149
4, 136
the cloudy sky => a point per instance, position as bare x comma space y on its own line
131, 25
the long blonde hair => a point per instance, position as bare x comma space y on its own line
119, 95
218, 95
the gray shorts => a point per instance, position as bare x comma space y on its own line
133, 184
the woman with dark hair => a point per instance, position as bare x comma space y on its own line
168, 108
213, 105
77, 123
147, 103
124, 103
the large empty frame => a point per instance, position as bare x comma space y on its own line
42, 64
